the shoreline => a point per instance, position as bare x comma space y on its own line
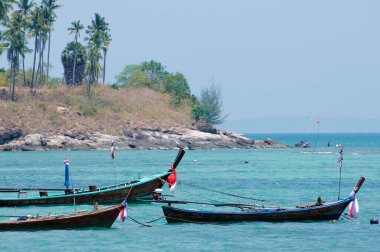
134, 138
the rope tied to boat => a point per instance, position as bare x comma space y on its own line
163, 216
138, 222
220, 192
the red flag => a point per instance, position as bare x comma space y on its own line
124, 212
172, 180
112, 151
353, 208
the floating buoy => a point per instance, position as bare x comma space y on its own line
246, 162
374, 221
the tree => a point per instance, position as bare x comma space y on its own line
36, 26
3, 46
74, 53
15, 40
199, 111
153, 75
154, 69
106, 41
75, 28
211, 105
176, 85
123, 77
95, 37
51, 6
5, 6
45, 17
93, 67
25, 7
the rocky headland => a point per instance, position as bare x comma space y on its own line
133, 138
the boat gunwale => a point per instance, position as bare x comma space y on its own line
261, 211
100, 190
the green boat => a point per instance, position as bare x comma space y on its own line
108, 194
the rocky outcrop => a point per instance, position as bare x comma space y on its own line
7, 135
138, 138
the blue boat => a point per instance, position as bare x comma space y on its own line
312, 212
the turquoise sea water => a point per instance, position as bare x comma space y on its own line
281, 176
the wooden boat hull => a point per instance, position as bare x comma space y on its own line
103, 218
326, 211
111, 194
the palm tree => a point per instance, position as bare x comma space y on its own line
36, 26
93, 67
51, 6
3, 45
25, 7
75, 28
106, 41
95, 33
74, 52
15, 39
46, 19
5, 6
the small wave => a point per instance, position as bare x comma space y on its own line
317, 152
306, 152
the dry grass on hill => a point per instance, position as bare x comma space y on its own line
59, 109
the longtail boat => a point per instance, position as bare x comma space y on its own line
103, 218
109, 194
318, 211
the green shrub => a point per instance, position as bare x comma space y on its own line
88, 109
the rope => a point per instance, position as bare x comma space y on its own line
143, 212
224, 193
202, 197
156, 219
140, 223
148, 213
348, 218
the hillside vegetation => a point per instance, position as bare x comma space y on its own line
60, 109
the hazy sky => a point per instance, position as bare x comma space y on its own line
272, 58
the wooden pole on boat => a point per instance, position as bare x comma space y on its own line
113, 158
72, 187
340, 179
340, 160
178, 158
358, 185
114, 169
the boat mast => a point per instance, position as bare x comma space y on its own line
340, 160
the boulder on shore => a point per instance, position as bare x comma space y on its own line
7, 135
